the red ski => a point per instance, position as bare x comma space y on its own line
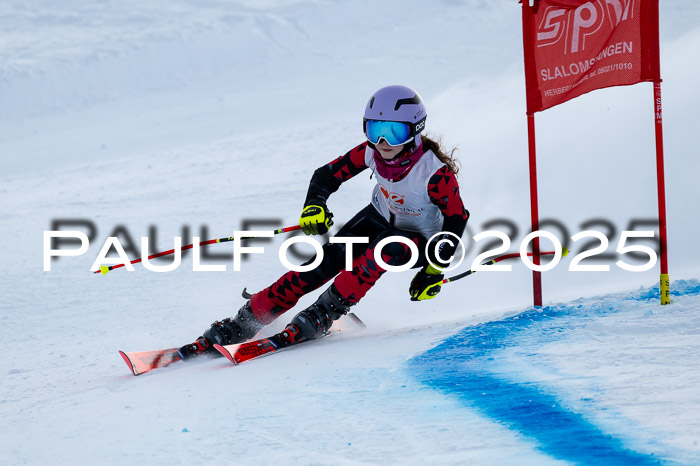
140, 362
252, 349
143, 361
242, 352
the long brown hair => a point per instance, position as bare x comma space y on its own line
446, 157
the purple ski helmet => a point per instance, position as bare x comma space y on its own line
396, 103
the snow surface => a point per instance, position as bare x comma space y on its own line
208, 113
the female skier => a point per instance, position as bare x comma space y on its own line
416, 197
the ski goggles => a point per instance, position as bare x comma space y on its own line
395, 133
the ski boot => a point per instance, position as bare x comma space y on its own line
225, 332
237, 330
315, 320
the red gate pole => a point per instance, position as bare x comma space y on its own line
530, 79
664, 282
534, 211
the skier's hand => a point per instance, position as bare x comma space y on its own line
426, 284
316, 219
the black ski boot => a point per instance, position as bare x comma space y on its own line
237, 330
226, 332
315, 320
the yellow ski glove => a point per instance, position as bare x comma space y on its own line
316, 219
426, 284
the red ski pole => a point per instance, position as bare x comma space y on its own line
104, 269
564, 252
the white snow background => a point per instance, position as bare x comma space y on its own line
208, 113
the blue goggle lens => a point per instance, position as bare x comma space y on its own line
393, 132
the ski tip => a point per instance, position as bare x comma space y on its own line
128, 362
564, 252
104, 269
225, 353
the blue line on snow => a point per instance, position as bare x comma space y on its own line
462, 366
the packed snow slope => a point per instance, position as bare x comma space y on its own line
191, 118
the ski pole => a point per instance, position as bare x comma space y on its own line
564, 252
104, 269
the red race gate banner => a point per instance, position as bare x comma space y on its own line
576, 46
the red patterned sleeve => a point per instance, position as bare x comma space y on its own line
443, 190
346, 166
327, 179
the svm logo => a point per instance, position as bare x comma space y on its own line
394, 198
571, 27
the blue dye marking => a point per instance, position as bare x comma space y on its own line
463, 365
